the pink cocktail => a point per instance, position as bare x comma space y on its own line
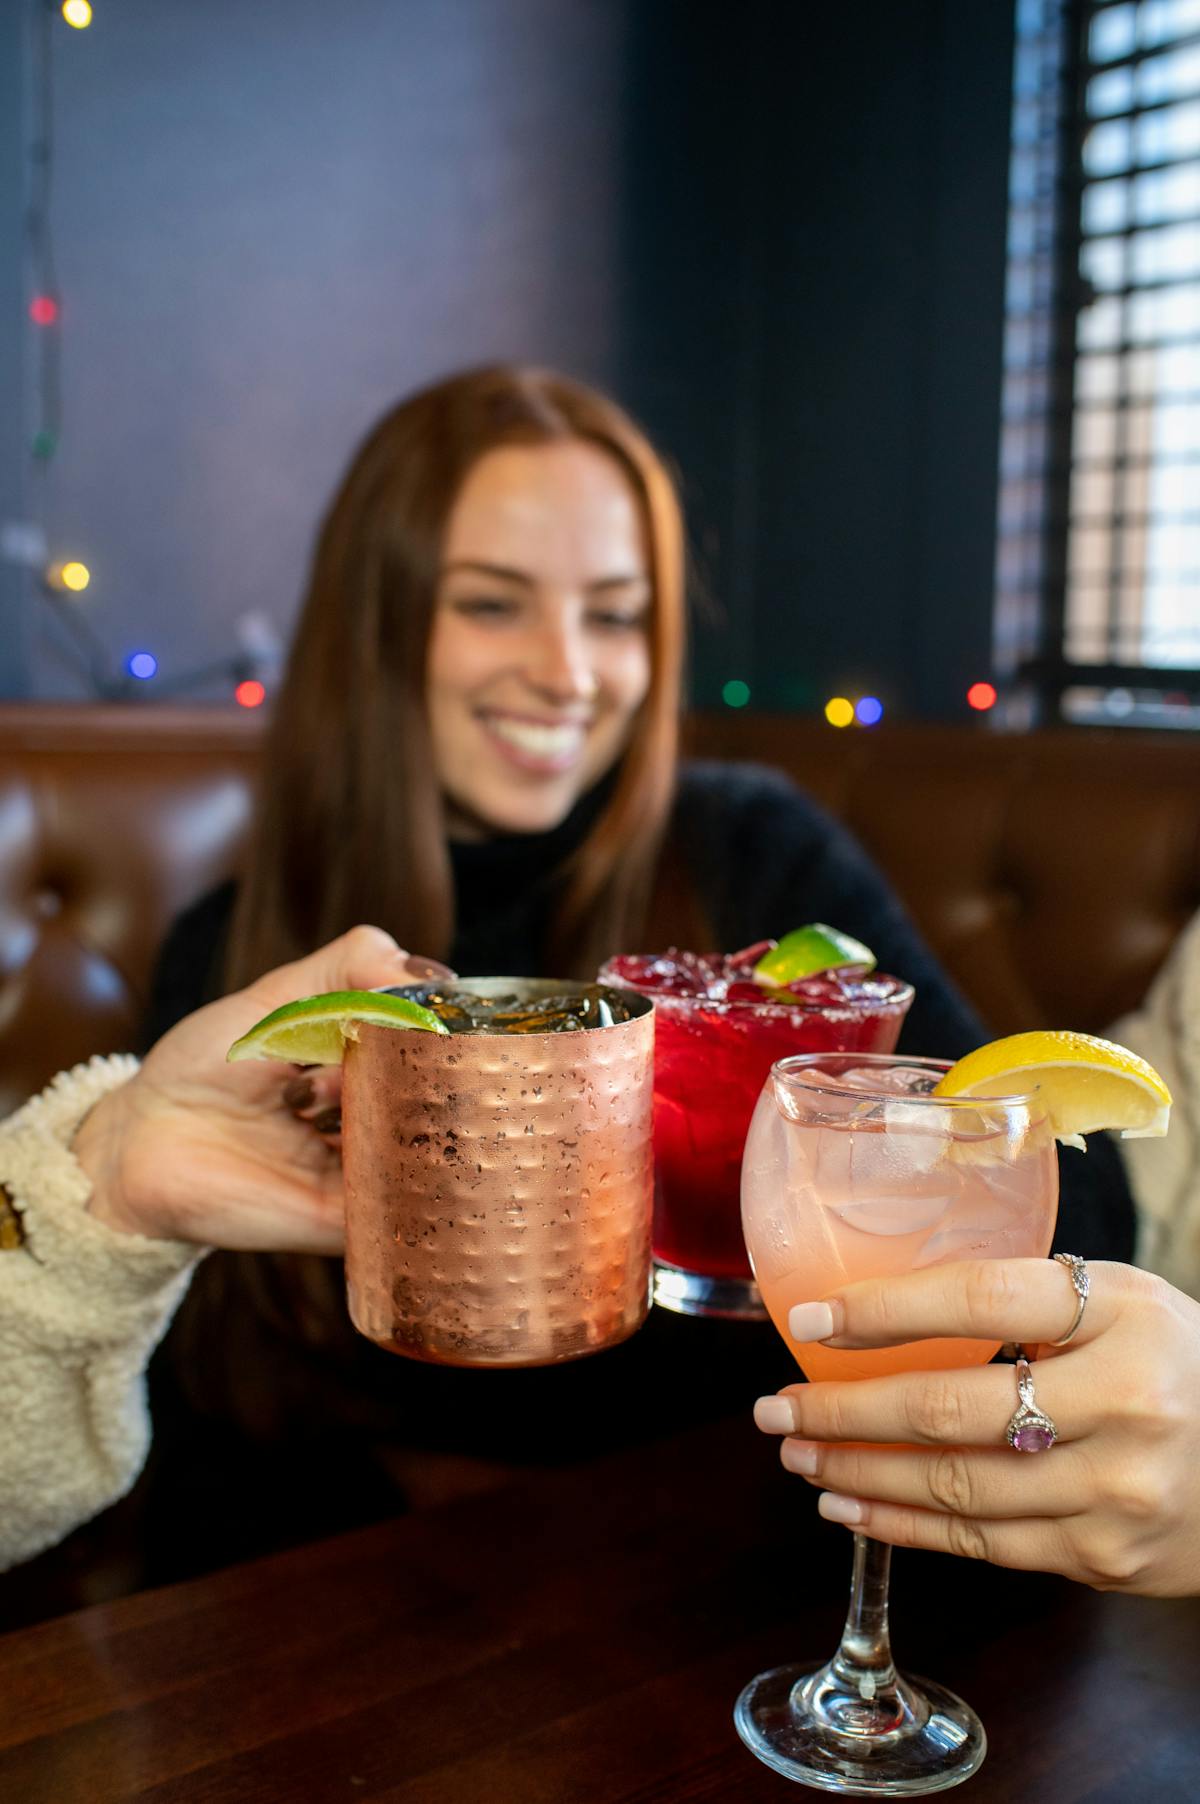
855, 1168
717, 1034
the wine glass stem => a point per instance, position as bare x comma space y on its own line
859, 1693
864, 1659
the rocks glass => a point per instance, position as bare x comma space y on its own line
711, 1060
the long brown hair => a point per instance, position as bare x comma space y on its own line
350, 822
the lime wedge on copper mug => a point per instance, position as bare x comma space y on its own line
807, 950
314, 1030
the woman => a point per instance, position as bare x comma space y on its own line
475, 745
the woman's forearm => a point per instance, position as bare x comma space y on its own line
81, 1308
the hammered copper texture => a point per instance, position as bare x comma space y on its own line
499, 1191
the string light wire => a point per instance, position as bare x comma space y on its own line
258, 656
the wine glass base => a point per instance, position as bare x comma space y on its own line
692, 1293
937, 1741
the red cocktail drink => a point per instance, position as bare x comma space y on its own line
717, 1034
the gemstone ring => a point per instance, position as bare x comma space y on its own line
1030, 1429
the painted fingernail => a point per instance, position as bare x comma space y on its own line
841, 1509
775, 1415
425, 968
801, 1457
298, 1093
329, 1121
815, 1321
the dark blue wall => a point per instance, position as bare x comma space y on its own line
775, 230
824, 336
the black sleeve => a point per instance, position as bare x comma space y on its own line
188, 970
767, 858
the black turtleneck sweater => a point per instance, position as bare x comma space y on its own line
763, 858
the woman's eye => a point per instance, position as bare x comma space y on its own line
485, 607
618, 619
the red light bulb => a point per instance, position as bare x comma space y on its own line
249, 694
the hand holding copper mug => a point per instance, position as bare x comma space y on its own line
313, 1093
498, 1162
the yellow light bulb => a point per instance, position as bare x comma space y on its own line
75, 576
839, 712
77, 13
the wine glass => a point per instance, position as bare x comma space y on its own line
853, 1169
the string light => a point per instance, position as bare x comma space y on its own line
838, 711
258, 654
72, 575
981, 697
869, 711
735, 694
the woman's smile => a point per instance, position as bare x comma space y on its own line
536, 743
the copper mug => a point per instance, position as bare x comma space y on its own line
499, 1187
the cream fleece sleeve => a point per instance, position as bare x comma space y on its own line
1165, 1174
81, 1309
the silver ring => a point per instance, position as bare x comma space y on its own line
1030, 1429
1082, 1283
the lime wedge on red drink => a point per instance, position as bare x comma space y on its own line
314, 1030
807, 950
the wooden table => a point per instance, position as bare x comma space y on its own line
578, 1637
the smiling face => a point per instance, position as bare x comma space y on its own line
539, 656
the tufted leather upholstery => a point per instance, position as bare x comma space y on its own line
111, 820
1050, 871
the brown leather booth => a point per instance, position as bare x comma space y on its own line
1050, 871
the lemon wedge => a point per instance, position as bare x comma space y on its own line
1083, 1082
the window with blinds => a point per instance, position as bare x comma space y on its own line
1098, 568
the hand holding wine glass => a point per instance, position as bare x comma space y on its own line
1118, 1506
867, 1185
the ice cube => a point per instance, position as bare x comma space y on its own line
972, 1240
897, 1080
891, 1215
465, 1012
776, 1251
776, 1194
881, 1182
